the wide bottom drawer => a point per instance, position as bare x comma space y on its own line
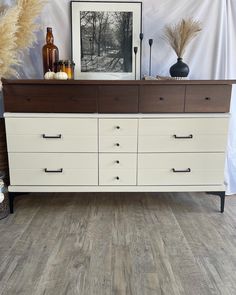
181, 169
53, 169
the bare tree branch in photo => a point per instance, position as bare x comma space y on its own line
106, 41
124, 34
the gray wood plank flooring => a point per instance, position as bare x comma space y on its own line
119, 243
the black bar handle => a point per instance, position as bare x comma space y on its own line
183, 137
181, 171
59, 136
53, 171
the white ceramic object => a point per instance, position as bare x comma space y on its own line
61, 76
49, 75
1, 197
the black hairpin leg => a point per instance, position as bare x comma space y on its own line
12, 196
222, 202
11, 202
222, 199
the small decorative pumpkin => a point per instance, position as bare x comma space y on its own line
1, 197
49, 75
61, 76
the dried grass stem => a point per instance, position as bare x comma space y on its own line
17, 32
181, 34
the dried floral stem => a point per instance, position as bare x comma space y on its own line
8, 30
2, 9
17, 30
181, 34
29, 10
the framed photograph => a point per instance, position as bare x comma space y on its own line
105, 39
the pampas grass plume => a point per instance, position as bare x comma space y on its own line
29, 10
17, 32
8, 29
181, 34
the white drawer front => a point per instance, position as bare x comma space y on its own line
118, 127
183, 143
183, 126
36, 143
117, 161
52, 126
118, 144
181, 169
53, 169
117, 177
51, 135
183, 135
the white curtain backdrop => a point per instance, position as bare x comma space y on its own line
212, 55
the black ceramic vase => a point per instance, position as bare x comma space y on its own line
179, 69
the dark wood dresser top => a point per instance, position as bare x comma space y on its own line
115, 82
117, 96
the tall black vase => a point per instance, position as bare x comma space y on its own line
179, 69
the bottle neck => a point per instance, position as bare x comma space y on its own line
49, 38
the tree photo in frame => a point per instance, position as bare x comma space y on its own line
104, 35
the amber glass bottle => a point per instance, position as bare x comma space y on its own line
50, 53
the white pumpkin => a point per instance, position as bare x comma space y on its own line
1, 197
61, 76
49, 75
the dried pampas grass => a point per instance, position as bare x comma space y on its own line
29, 10
17, 30
2, 9
181, 34
8, 30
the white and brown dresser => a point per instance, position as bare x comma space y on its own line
110, 136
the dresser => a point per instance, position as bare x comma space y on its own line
116, 136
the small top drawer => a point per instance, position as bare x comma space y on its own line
118, 127
160, 99
208, 98
118, 135
118, 99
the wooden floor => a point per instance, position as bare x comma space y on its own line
139, 244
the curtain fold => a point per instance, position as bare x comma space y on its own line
230, 73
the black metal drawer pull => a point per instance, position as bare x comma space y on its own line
117, 162
207, 98
117, 144
183, 137
53, 171
117, 178
52, 137
181, 171
118, 127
